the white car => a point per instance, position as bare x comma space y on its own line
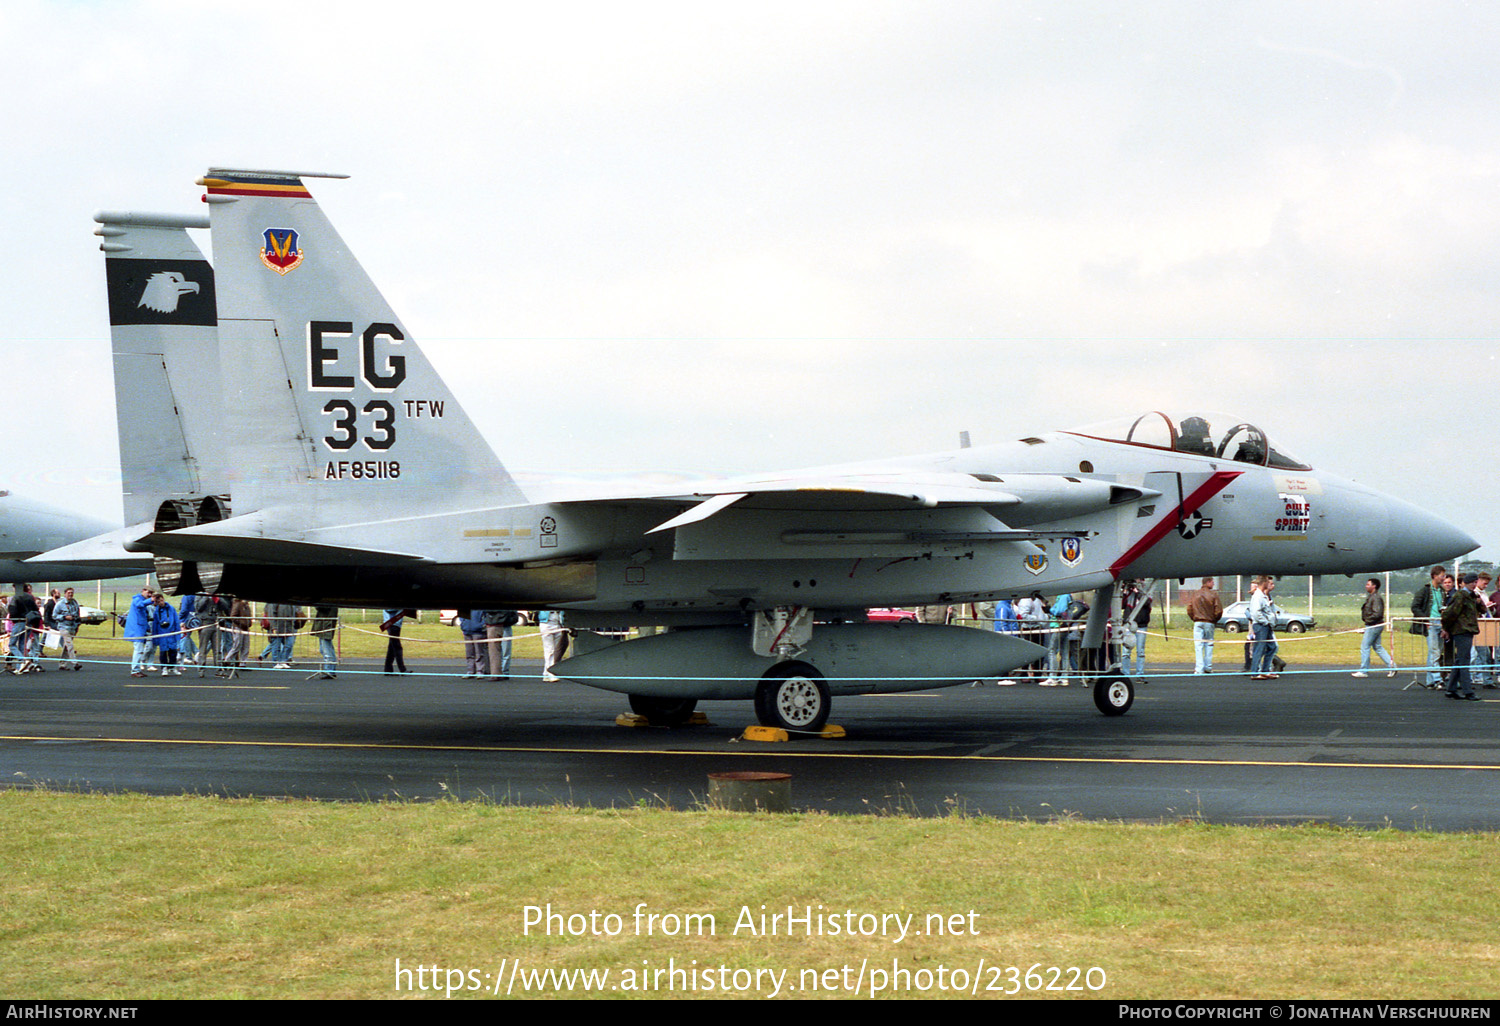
1237, 618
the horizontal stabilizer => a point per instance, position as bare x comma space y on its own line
247, 539
102, 550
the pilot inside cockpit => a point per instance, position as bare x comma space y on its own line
1197, 434
1244, 443
1193, 437
1251, 450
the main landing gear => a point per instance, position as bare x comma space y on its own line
793, 696
664, 712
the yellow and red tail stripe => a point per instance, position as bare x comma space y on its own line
235, 185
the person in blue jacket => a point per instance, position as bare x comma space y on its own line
187, 615
138, 629
1006, 621
168, 636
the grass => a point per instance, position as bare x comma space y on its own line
129, 897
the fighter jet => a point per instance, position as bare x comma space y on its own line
356, 478
29, 528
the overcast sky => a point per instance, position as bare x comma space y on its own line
724, 238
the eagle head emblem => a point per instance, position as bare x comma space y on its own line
164, 289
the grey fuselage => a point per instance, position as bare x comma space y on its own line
1183, 515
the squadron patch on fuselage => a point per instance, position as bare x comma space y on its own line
1072, 551
1035, 564
281, 252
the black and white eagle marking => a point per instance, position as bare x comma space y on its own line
163, 289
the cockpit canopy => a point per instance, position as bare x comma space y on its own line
1203, 434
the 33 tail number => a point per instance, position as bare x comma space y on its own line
381, 417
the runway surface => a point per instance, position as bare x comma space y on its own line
1317, 746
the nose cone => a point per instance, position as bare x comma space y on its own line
1417, 537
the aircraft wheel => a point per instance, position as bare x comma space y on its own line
1232, 627
664, 712
793, 696
1114, 695
1296, 627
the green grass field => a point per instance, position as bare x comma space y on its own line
128, 897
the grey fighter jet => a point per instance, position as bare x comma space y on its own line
29, 528
355, 478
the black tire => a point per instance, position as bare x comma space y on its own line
1114, 695
664, 712
1296, 627
794, 697
1233, 627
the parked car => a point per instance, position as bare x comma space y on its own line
885, 615
88, 614
1237, 618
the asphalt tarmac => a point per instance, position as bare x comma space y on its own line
1312, 746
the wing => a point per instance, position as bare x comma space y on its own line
1021, 498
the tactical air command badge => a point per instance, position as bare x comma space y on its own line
1035, 564
1072, 551
281, 253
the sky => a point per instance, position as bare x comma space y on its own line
725, 238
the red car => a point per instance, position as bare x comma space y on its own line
892, 615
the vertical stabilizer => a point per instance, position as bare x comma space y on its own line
331, 406
163, 318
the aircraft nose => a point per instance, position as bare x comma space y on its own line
1418, 537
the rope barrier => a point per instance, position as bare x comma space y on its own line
369, 666
257, 631
241, 636
437, 641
